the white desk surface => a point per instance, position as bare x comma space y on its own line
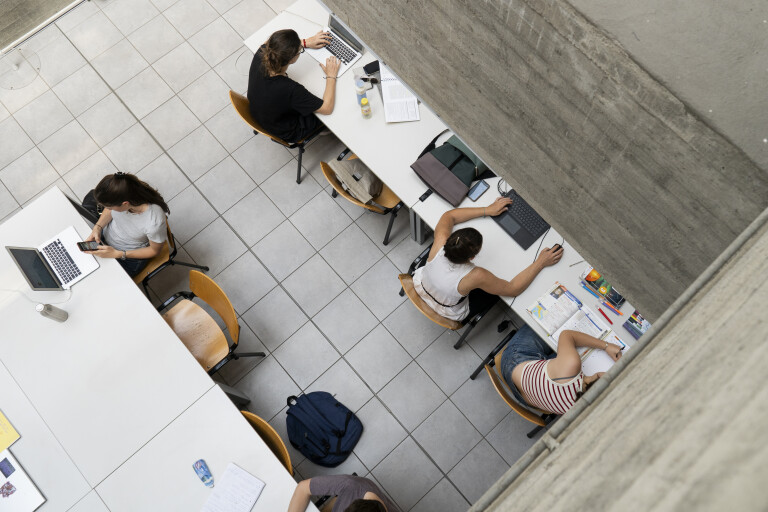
505, 258
161, 475
387, 148
91, 393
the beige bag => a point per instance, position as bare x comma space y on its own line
357, 179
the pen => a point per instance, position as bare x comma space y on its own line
574, 264
615, 310
606, 316
590, 291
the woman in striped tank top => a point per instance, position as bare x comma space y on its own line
546, 380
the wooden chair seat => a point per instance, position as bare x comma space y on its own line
406, 281
386, 198
535, 416
199, 332
162, 257
271, 438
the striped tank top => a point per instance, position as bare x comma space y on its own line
546, 394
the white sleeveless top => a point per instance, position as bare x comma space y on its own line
437, 283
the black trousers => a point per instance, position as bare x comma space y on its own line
479, 301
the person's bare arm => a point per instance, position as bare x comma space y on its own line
331, 70
568, 363
450, 218
300, 498
144, 253
487, 281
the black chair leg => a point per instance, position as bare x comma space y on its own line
392, 221
533, 432
334, 193
490, 357
191, 265
298, 171
145, 285
464, 336
248, 354
402, 291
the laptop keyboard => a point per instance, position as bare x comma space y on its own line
61, 261
341, 50
525, 215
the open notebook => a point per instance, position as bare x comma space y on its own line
399, 103
559, 310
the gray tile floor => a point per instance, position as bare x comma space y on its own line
141, 86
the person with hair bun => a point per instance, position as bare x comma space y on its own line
451, 284
132, 227
284, 107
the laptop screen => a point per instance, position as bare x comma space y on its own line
34, 269
335, 25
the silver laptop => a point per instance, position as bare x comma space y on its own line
343, 45
55, 265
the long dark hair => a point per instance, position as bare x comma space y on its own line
113, 189
281, 47
463, 245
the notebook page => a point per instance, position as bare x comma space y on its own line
237, 491
399, 103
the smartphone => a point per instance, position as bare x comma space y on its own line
87, 246
477, 190
371, 67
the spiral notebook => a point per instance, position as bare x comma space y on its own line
400, 104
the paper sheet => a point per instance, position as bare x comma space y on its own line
399, 103
237, 491
8, 434
17, 492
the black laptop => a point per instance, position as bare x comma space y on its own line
521, 222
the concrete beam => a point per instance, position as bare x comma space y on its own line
644, 189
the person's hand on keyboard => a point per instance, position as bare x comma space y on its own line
548, 257
319, 40
498, 207
331, 68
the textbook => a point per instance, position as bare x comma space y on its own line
559, 310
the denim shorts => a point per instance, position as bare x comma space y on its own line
525, 345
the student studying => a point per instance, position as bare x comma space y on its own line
281, 105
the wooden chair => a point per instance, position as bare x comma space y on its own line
164, 259
387, 199
536, 416
198, 330
271, 438
406, 281
241, 104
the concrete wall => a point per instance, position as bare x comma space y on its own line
683, 427
644, 189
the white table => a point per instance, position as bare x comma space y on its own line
388, 149
505, 258
94, 393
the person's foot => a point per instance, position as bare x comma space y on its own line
324, 132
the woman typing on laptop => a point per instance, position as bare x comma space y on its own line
279, 104
451, 284
132, 227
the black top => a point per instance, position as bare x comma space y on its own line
278, 103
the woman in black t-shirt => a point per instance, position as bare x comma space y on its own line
281, 105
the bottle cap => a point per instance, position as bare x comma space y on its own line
359, 83
39, 307
364, 101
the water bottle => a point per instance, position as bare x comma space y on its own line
52, 312
360, 91
365, 107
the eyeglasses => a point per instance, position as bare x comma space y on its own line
301, 50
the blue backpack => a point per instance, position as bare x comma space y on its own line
322, 428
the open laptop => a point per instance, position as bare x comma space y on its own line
55, 265
521, 221
343, 45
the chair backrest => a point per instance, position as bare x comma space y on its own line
336, 184
212, 294
271, 438
502, 388
166, 253
406, 281
242, 106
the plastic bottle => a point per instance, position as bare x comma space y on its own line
52, 312
365, 107
360, 91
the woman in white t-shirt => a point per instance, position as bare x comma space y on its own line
451, 284
132, 227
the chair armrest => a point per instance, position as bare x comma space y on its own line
178, 295
420, 260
